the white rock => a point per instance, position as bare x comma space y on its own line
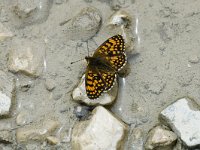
4, 33
5, 104
183, 117
161, 138
102, 132
36, 132
120, 18
6, 89
79, 95
26, 57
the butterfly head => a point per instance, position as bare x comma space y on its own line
87, 58
90, 59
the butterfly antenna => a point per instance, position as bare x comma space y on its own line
76, 61
87, 48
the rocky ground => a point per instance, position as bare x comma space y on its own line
155, 104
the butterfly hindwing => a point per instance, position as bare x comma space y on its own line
94, 84
109, 79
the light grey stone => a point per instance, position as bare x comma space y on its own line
79, 95
183, 116
102, 131
160, 137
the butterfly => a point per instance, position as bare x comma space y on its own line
103, 66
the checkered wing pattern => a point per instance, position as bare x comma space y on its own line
103, 66
97, 82
113, 51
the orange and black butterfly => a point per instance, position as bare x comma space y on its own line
104, 65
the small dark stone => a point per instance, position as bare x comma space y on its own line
82, 112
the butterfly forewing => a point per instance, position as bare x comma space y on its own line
113, 51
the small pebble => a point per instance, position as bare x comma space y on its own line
194, 59
4, 33
81, 112
57, 96
6, 137
25, 86
50, 84
58, 2
23, 118
53, 140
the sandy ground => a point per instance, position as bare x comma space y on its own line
163, 69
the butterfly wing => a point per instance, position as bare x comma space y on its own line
98, 80
108, 78
93, 83
113, 51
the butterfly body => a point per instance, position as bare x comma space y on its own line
99, 63
104, 65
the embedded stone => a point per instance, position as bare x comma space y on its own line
4, 33
193, 59
26, 57
36, 132
85, 24
50, 84
32, 12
